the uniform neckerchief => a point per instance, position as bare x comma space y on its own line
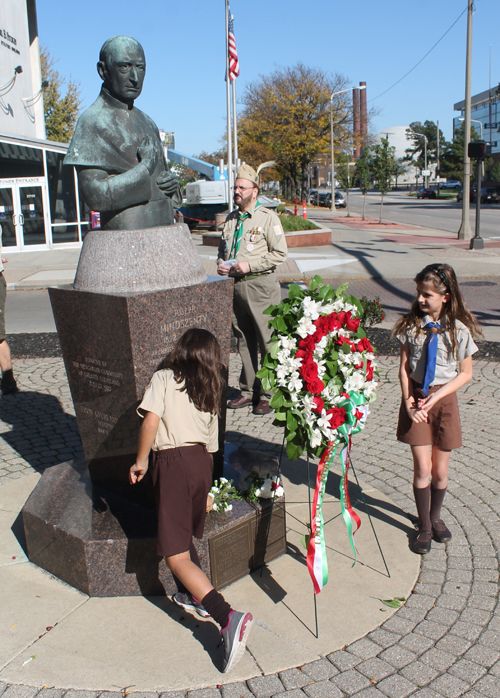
238, 234
431, 358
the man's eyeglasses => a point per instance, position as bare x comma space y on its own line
242, 188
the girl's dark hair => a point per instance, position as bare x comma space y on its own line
443, 279
195, 359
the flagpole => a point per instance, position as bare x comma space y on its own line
228, 101
235, 126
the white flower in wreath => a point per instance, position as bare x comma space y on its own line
316, 438
283, 355
288, 343
305, 327
324, 423
295, 384
294, 364
311, 308
355, 382
369, 389
282, 373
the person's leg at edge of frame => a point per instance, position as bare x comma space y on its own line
422, 467
8, 383
235, 626
439, 485
244, 331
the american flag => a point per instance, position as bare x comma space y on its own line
234, 65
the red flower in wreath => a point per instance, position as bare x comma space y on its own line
352, 323
309, 372
319, 404
364, 345
307, 344
369, 371
336, 416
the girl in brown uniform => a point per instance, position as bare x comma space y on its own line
435, 336
180, 409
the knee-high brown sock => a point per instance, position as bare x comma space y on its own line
218, 607
437, 498
422, 500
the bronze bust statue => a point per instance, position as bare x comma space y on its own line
117, 150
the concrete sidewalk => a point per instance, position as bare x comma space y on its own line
444, 641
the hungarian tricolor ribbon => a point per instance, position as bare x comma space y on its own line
356, 413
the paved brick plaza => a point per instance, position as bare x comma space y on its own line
445, 641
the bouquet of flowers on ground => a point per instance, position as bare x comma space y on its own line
262, 487
222, 493
322, 368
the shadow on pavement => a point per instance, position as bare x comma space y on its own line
39, 429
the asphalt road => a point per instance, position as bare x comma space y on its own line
444, 215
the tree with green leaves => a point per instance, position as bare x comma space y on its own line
416, 151
61, 111
494, 173
286, 118
400, 167
382, 166
452, 158
364, 175
346, 174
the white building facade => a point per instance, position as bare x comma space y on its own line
39, 206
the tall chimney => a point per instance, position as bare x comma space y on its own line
356, 140
363, 116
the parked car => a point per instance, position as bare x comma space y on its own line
426, 193
451, 184
489, 195
472, 195
325, 198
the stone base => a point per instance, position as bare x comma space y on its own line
111, 345
105, 545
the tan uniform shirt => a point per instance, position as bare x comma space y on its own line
263, 243
446, 364
181, 424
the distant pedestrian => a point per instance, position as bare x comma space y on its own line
180, 409
252, 246
8, 384
435, 336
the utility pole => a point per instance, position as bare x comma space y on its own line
437, 154
465, 232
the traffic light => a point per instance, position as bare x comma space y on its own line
477, 150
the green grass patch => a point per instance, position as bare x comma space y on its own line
292, 224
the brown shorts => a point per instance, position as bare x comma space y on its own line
182, 478
443, 430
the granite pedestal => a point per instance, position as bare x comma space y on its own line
104, 545
111, 345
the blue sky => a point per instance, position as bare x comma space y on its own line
365, 40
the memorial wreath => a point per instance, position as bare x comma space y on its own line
321, 368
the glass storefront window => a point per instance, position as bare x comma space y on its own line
64, 233
61, 184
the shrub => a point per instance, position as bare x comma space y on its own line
372, 312
291, 224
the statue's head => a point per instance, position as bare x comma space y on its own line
122, 66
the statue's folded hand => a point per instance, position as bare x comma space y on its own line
167, 183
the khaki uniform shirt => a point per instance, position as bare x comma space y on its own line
181, 423
446, 365
263, 243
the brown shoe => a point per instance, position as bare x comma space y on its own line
262, 407
422, 544
441, 533
240, 401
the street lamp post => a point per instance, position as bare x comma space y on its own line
334, 94
421, 135
465, 233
